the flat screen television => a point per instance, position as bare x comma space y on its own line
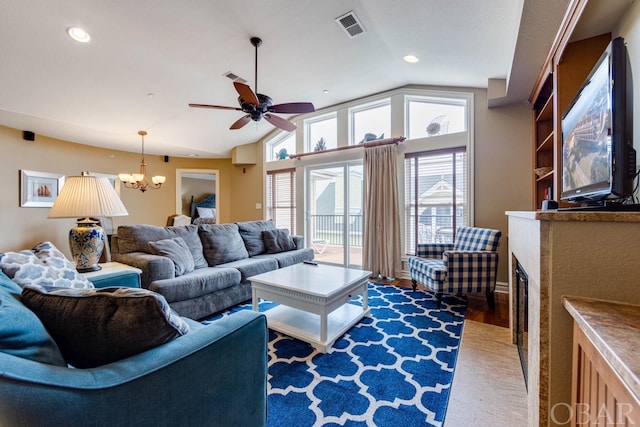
598, 159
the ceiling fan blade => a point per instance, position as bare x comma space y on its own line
280, 122
241, 122
292, 108
246, 93
221, 107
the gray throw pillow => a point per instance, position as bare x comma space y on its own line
251, 232
93, 327
278, 240
176, 250
136, 238
221, 243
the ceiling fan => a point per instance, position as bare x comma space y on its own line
256, 105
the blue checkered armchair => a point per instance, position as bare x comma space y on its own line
470, 264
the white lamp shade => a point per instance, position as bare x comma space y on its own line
87, 196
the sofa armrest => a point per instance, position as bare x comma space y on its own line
298, 240
154, 267
215, 375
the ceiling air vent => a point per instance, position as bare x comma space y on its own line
350, 23
233, 77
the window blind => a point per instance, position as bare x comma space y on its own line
436, 198
280, 200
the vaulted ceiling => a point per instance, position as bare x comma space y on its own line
147, 59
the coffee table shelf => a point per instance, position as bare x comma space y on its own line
314, 301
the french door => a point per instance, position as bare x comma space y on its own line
334, 219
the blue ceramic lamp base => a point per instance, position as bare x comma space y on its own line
86, 241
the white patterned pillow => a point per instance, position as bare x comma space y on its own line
44, 265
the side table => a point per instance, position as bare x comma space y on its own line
114, 274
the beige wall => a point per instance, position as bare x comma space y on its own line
22, 228
502, 168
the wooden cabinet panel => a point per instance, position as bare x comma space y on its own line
599, 396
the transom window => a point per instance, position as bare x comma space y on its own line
370, 122
281, 146
432, 115
321, 133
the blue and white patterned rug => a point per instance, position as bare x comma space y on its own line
393, 368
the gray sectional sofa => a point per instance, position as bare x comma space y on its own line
203, 269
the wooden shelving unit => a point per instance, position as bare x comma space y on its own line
556, 88
544, 136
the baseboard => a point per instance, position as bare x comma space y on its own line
502, 287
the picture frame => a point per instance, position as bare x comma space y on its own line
39, 189
113, 179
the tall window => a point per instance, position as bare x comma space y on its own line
281, 198
321, 133
281, 146
370, 122
432, 115
436, 198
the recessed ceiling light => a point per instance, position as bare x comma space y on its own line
410, 58
325, 91
78, 34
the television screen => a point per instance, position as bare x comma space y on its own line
586, 134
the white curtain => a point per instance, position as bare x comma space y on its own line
381, 240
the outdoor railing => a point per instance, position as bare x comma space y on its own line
329, 228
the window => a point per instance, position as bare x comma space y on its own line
436, 198
430, 116
281, 198
321, 133
284, 141
370, 122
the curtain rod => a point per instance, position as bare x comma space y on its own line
375, 143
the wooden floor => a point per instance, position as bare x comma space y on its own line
477, 308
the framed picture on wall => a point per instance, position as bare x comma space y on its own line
39, 189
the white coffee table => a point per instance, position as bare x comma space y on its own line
313, 301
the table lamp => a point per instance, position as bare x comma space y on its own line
83, 197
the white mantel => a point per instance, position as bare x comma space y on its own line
590, 254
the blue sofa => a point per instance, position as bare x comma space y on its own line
215, 375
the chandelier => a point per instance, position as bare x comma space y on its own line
139, 181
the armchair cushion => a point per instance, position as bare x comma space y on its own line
43, 265
176, 250
93, 327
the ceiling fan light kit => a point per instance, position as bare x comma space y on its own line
256, 105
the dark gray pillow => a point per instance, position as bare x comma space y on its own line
136, 238
251, 232
278, 240
93, 327
221, 243
177, 251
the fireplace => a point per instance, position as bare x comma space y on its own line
522, 317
